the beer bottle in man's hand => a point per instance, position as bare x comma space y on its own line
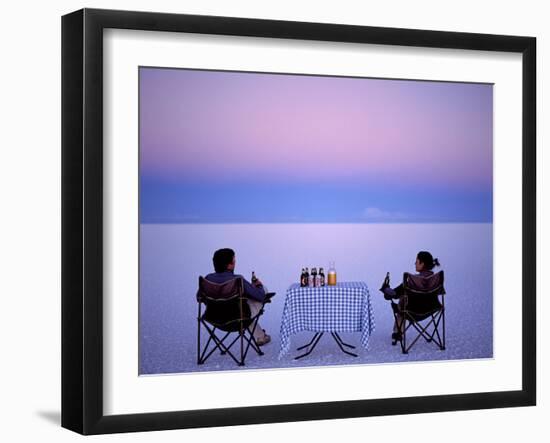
255, 281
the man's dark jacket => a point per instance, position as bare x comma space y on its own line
250, 291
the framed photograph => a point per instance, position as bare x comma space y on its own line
269, 221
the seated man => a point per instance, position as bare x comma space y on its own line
224, 265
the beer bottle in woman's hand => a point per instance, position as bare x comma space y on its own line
386, 283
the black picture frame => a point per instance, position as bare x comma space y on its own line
82, 218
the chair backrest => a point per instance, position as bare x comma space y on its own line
420, 284
225, 302
422, 294
210, 291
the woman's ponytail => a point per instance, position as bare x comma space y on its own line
426, 258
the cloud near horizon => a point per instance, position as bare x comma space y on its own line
377, 214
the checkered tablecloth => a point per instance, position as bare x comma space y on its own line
345, 307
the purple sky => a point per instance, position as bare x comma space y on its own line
235, 129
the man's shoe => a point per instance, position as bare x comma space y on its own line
396, 336
264, 340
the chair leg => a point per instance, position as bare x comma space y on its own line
431, 336
251, 340
253, 343
437, 319
245, 337
401, 327
396, 325
254, 324
241, 334
443, 326
199, 336
415, 326
218, 345
404, 349
436, 336
232, 343
204, 356
223, 352
423, 331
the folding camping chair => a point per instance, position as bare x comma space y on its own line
420, 303
226, 310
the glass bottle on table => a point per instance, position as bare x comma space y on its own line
331, 275
313, 277
306, 278
318, 279
321, 277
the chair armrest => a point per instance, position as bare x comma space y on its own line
268, 297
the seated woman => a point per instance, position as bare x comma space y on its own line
424, 265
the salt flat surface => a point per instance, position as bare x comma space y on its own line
173, 256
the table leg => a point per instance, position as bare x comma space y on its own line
313, 342
339, 342
337, 337
310, 343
